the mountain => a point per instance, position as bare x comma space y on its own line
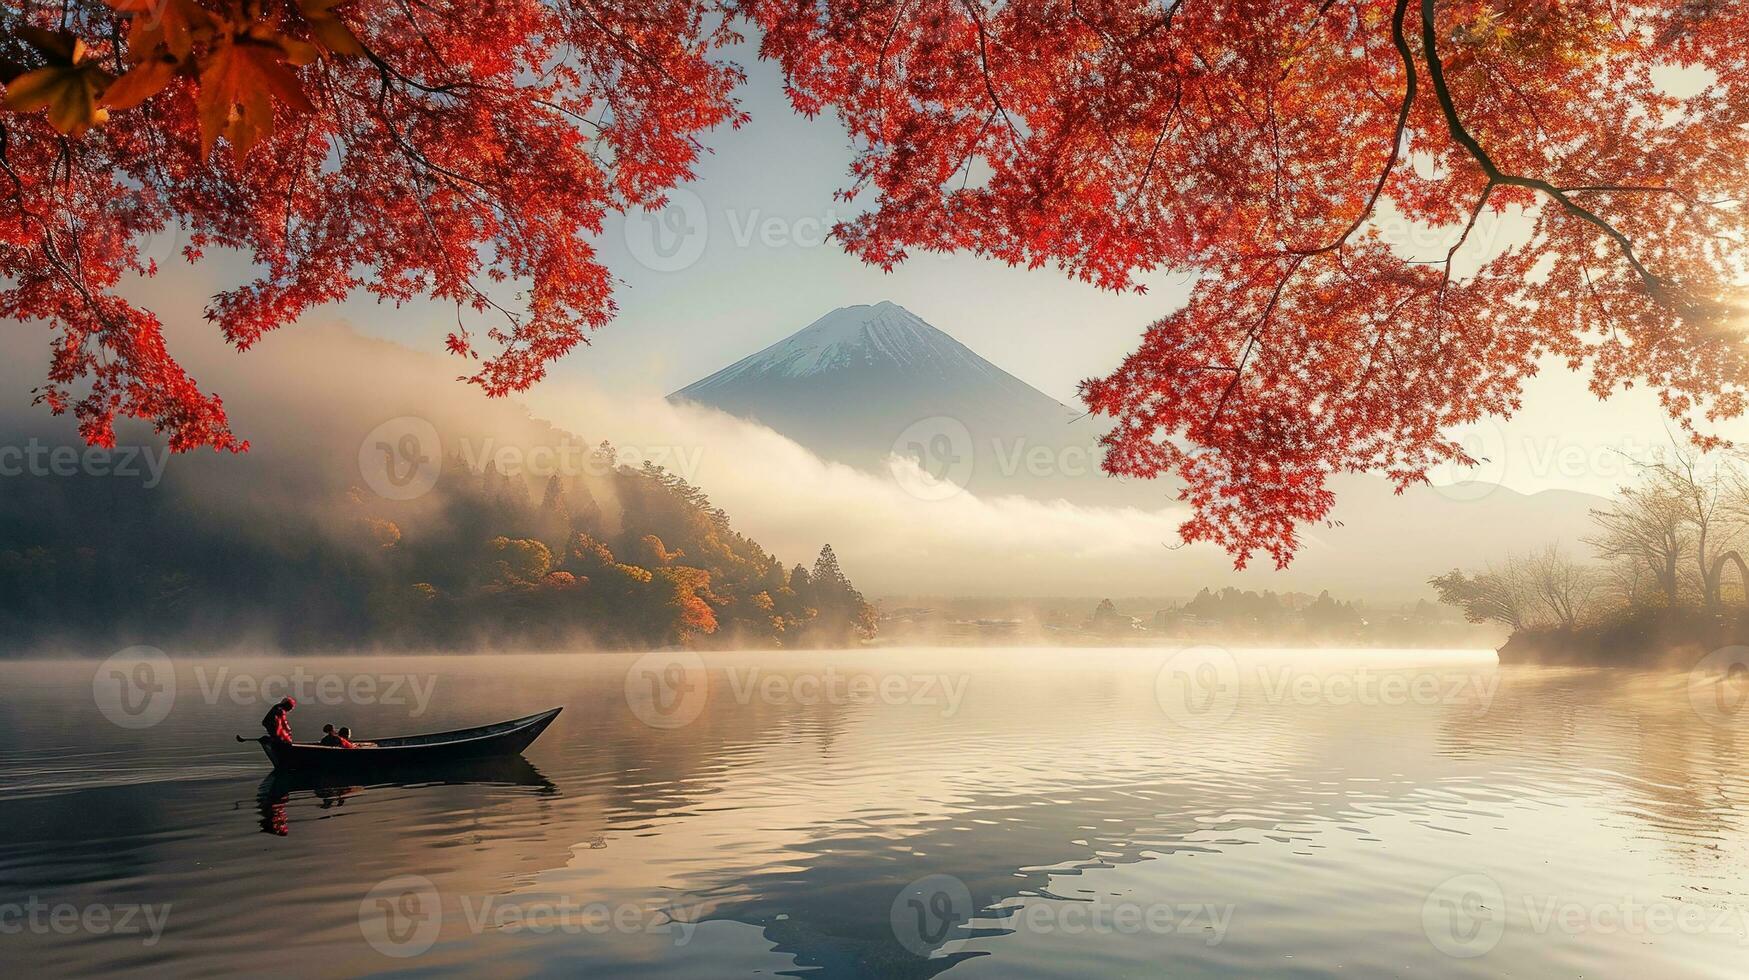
884, 339
865, 383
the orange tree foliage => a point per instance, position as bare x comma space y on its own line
1261, 144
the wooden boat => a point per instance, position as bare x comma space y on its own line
501, 739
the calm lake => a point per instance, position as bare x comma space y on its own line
896, 812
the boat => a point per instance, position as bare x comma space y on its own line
502, 739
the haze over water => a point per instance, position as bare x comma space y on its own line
896, 812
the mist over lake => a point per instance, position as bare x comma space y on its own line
905, 812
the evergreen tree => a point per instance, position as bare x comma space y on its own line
585, 512
553, 500
553, 519
827, 574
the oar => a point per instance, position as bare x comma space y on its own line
258, 738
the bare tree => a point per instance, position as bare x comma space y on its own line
1563, 588
1648, 525
1629, 584
1708, 493
1488, 597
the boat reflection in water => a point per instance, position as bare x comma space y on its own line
331, 790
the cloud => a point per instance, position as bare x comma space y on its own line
890, 538
310, 396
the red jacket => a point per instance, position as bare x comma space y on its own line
277, 724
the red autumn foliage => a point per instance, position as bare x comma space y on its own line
1261, 144
1267, 146
403, 150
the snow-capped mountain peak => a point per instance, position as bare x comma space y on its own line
865, 383
882, 335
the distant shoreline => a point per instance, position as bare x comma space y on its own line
1644, 638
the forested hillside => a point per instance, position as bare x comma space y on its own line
625, 557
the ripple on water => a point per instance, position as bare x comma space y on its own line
789, 834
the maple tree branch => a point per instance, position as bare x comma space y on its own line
1378, 342
1628, 189
1451, 253
623, 42
1436, 73
1166, 127
383, 66
418, 28
971, 148
1251, 340
886, 45
1317, 16
984, 65
50, 248
1602, 305
1401, 41
416, 158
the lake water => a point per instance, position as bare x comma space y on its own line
905, 813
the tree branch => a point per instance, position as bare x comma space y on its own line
1436, 73
1401, 41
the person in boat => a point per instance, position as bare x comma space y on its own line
346, 736
275, 721
335, 739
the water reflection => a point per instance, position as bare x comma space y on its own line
331, 790
898, 838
